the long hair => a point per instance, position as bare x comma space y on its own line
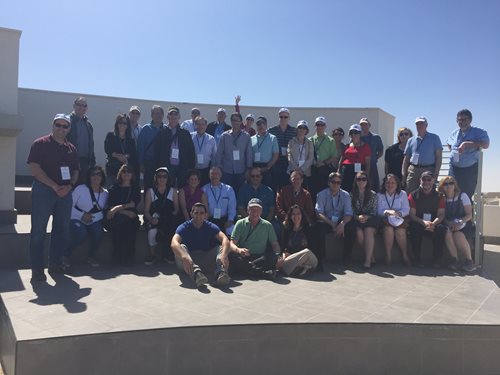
121, 118
96, 168
124, 168
288, 219
398, 182
368, 190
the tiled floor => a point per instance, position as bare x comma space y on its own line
107, 299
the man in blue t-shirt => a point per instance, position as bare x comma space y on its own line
191, 245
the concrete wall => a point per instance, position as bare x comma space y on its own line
38, 108
491, 220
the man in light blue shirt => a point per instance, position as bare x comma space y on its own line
205, 148
221, 202
190, 125
377, 148
334, 210
265, 150
423, 152
465, 143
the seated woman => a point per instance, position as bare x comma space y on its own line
298, 260
122, 219
394, 209
161, 205
120, 148
458, 215
87, 214
191, 193
356, 157
364, 208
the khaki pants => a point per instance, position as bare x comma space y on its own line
304, 260
206, 260
413, 177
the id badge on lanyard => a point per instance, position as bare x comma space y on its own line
65, 175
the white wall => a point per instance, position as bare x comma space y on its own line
38, 108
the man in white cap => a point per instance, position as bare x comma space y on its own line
189, 124
216, 128
423, 152
284, 132
134, 114
377, 148
54, 164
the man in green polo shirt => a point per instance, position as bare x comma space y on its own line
255, 250
325, 156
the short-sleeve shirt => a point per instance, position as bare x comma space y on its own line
255, 240
263, 147
376, 145
284, 138
51, 156
263, 192
356, 154
197, 239
394, 158
471, 155
425, 146
324, 147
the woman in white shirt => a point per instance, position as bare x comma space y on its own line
89, 201
393, 206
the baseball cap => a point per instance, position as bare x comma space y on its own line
250, 116
173, 108
261, 119
320, 119
221, 110
364, 120
283, 110
427, 174
134, 108
62, 116
420, 119
355, 127
255, 202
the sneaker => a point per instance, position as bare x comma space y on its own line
93, 262
222, 279
149, 260
170, 259
38, 276
469, 266
200, 279
454, 265
269, 275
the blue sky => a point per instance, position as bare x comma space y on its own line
409, 58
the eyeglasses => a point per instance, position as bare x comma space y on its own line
449, 183
354, 133
427, 179
404, 134
335, 182
135, 113
320, 124
338, 134
64, 126
255, 175
161, 176
81, 105
284, 116
361, 179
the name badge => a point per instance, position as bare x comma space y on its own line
236, 155
414, 158
357, 167
170, 195
455, 156
65, 175
256, 156
284, 151
301, 163
217, 213
200, 158
427, 217
175, 153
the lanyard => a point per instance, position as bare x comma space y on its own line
198, 141
420, 144
259, 144
251, 231
235, 140
320, 143
301, 149
393, 199
217, 199
338, 202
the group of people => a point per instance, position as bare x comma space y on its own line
252, 201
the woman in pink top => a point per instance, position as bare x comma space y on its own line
191, 193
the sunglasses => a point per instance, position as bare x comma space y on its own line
122, 123
335, 182
427, 179
361, 179
354, 133
404, 133
64, 126
449, 183
81, 105
161, 176
255, 175
338, 134
320, 124
283, 116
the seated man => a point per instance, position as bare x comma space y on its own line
427, 212
255, 189
294, 194
334, 210
249, 245
221, 201
191, 246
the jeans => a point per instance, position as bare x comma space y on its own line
466, 178
79, 231
45, 202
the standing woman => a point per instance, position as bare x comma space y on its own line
356, 157
122, 219
161, 206
364, 208
87, 214
301, 153
458, 215
298, 257
120, 148
394, 154
338, 135
394, 208
191, 193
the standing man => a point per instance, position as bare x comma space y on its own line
377, 148
265, 150
54, 164
174, 149
216, 128
465, 143
234, 154
423, 152
192, 247
221, 202
81, 135
134, 114
189, 125
205, 149
284, 133
325, 153
250, 242
427, 208
146, 145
